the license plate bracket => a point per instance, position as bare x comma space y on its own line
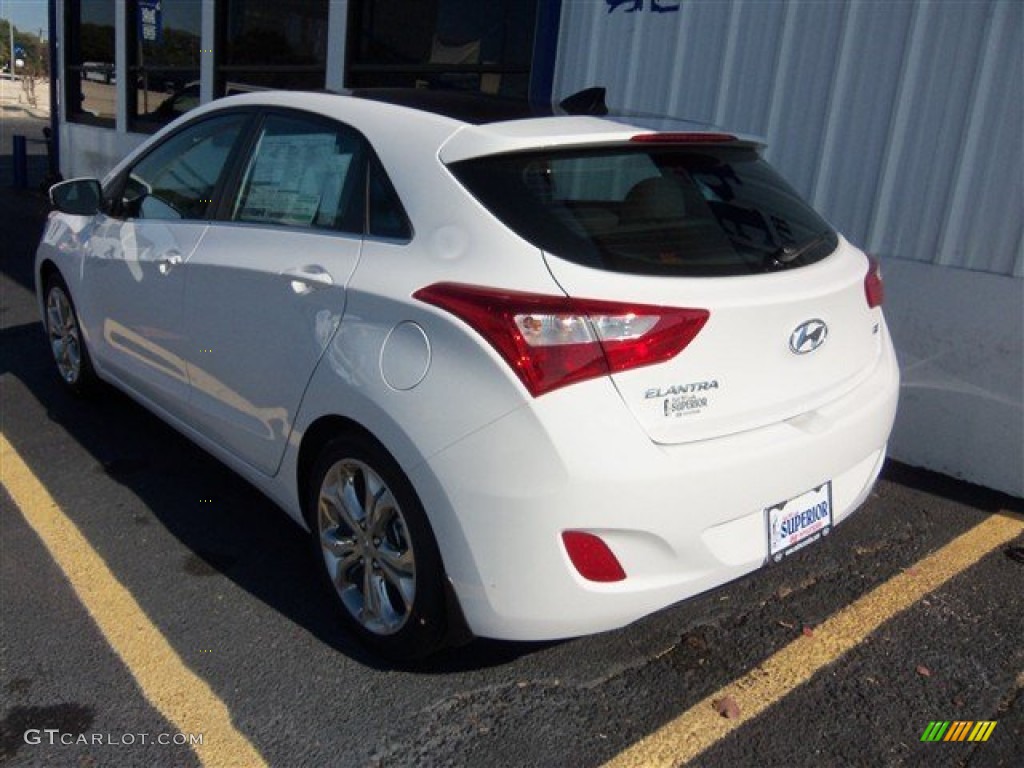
797, 522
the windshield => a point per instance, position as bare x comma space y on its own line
653, 210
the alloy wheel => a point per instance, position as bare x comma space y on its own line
366, 546
64, 334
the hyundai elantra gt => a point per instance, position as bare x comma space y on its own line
528, 375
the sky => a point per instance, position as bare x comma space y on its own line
27, 15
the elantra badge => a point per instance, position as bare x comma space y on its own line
808, 336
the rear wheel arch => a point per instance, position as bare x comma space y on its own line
46, 270
317, 439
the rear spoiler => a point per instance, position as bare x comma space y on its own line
589, 101
585, 121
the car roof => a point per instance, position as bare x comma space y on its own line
459, 125
465, 106
476, 108
500, 124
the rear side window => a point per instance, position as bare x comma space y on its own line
653, 210
304, 172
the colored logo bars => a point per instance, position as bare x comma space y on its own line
958, 730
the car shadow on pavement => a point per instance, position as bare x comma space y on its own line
249, 540
241, 535
22, 214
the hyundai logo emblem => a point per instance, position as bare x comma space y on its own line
808, 336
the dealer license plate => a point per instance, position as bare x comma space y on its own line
796, 523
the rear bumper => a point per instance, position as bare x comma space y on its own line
680, 519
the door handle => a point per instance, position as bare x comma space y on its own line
167, 263
305, 279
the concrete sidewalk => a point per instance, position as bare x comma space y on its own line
14, 100
25, 110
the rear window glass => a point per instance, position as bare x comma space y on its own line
653, 210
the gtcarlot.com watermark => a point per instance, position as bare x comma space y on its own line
57, 737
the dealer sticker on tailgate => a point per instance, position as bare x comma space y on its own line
796, 523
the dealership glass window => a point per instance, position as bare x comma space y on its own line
271, 44
483, 45
91, 84
164, 51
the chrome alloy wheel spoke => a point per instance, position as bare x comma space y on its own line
54, 321
340, 551
380, 511
351, 506
398, 569
340, 547
60, 351
374, 598
339, 500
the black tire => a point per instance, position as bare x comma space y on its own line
378, 543
64, 335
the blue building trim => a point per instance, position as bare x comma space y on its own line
545, 50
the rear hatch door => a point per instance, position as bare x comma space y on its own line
697, 221
774, 346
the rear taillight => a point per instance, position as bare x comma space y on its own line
591, 557
874, 290
553, 341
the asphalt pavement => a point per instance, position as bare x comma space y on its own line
227, 580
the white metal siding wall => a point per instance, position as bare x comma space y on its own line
901, 121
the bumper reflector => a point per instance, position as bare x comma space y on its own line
592, 557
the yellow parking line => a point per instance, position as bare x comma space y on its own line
181, 696
697, 729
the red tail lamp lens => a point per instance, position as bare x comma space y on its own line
591, 557
553, 341
874, 290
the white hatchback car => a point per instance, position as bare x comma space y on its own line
534, 376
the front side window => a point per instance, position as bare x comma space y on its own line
177, 180
304, 172
91, 84
659, 210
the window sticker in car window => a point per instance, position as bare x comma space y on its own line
277, 194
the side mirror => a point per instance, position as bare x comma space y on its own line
80, 197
